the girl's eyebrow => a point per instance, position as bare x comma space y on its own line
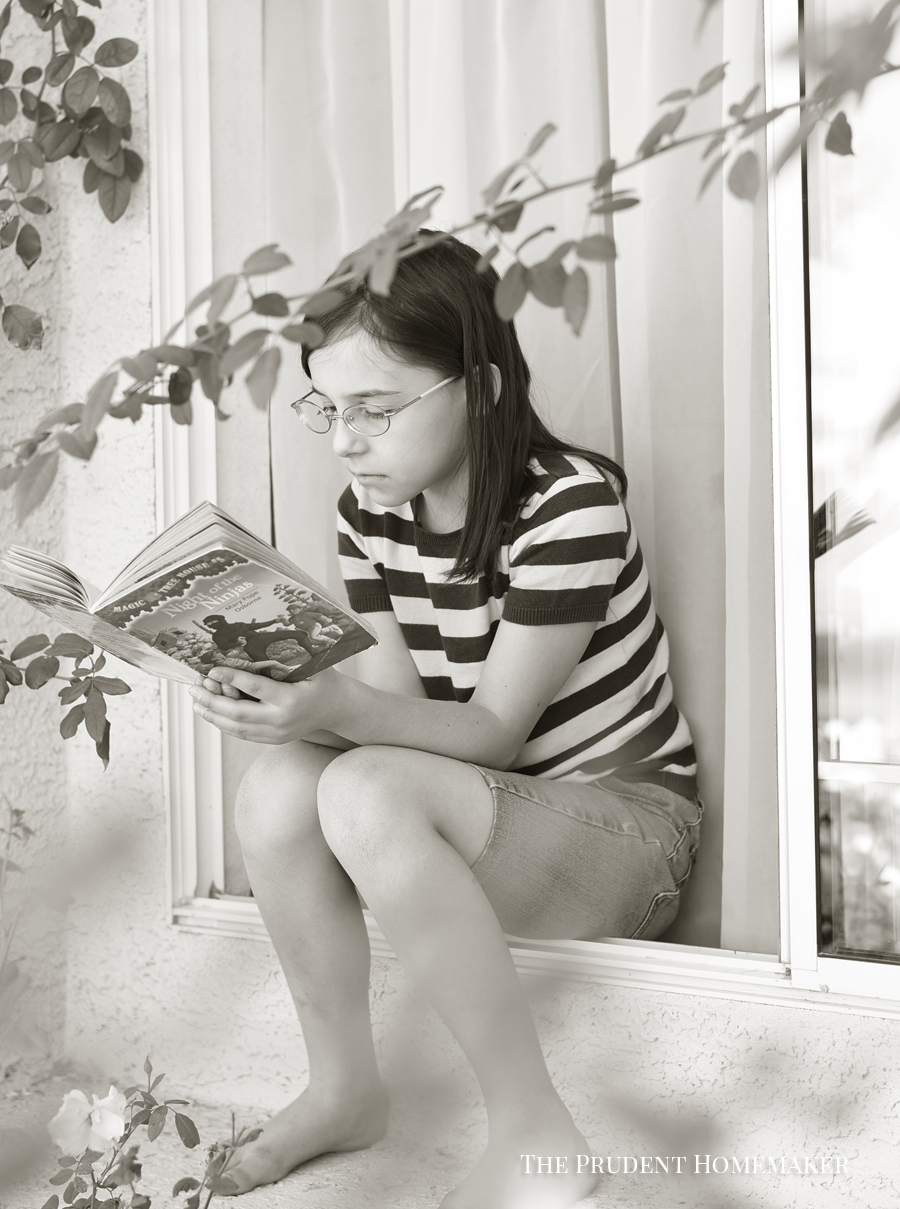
360, 394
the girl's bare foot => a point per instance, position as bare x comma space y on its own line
311, 1125
501, 1180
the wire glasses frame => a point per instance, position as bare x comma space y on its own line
368, 419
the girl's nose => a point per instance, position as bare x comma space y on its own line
344, 441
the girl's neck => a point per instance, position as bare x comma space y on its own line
442, 511
437, 517
441, 507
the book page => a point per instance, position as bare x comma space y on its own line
201, 530
104, 635
45, 573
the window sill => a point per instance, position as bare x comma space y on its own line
647, 965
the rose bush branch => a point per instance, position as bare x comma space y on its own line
99, 1165
14, 835
85, 692
215, 1180
89, 120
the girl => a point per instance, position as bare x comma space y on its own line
510, 759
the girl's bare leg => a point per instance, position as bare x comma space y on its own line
407, 826
313, 915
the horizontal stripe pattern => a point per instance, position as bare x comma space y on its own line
572, 555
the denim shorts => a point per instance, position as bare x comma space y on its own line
567, 861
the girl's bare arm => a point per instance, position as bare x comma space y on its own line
387, 666
526, 668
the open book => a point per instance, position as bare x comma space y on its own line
206, 592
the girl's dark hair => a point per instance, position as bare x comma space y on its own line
440, 315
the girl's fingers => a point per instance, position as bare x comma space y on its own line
224, 690
254, 686
239, 728
218, 706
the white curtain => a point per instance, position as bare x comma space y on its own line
694, 356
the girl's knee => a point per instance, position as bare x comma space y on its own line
364, 793
362, 772
276, 800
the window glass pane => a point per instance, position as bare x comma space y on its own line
854, 201
860, 874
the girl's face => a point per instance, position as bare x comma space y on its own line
423, 451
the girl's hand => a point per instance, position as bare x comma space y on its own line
271, 711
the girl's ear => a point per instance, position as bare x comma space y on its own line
497, 379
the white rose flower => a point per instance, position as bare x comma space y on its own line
80, 1125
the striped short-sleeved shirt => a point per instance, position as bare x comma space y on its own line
572, 556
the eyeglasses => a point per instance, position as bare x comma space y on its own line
369, 420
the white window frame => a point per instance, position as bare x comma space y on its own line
181, 211
181, 228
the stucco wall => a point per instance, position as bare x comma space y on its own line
92, 287
645, 1072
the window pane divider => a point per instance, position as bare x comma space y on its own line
850, 983
859, 771
794, 666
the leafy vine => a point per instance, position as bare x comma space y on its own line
90, 120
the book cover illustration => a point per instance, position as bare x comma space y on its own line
220, 609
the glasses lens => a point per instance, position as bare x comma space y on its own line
312, 415
368, 421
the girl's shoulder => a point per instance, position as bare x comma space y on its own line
566, 482
567, 496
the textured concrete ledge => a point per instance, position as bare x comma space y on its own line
434, 1137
